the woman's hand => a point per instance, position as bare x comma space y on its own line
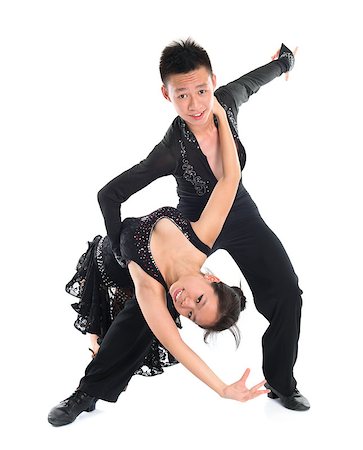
94, 344
240, 392
276, 55
218, 109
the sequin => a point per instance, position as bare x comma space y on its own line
189, 174
142, 237
290, 58
101, 266
232, 120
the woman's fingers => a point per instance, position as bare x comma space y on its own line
275, 55
259, 385
256, 394
245, 376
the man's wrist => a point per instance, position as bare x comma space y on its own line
286, 57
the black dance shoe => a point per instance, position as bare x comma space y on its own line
295, 401
70, 408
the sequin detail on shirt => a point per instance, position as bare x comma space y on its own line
189, 174
232, 120
290, 58
189, 136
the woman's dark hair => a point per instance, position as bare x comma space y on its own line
231, 302
183, 57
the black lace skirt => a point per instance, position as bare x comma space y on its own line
102, 287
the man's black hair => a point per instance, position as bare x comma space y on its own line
183, 57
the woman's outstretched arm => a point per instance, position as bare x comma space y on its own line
151, 298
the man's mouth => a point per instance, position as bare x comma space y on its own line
197, 116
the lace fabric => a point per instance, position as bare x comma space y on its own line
101, 299
156, 360
99, 302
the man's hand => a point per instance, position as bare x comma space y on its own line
276, 55
239, 391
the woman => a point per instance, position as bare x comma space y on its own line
145, 245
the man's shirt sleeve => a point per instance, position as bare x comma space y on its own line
159, 163
242, 88
239, 91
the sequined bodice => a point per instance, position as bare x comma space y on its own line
136, 236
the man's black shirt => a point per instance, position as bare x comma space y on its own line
178, 154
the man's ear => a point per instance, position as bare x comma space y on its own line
164, 91
214, 81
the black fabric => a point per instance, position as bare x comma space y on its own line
274, 284
286, 57
105, 288
256, 250
101, 287
136, 235
128, 348
171, 156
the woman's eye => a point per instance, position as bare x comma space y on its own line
182, 96
199, 299
189, 315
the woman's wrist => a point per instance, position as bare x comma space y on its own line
222, 120
221, 389
221, 114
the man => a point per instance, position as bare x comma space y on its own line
189, 152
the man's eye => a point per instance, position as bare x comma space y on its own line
202, 91
199, 299
189, 315
182, 96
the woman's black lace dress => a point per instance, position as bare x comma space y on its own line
103, 285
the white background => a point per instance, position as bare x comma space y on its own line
80, 102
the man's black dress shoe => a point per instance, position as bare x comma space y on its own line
70, 408
295, 401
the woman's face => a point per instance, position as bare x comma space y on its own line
194, 297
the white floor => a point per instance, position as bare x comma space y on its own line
79, 82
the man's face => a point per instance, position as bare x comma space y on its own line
192, 95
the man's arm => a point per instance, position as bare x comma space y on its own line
248, 84
159, 163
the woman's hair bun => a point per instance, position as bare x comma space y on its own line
241, 296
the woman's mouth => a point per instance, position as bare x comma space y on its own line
176, 294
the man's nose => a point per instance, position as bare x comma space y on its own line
192, 103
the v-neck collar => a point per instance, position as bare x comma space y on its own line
190, 137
